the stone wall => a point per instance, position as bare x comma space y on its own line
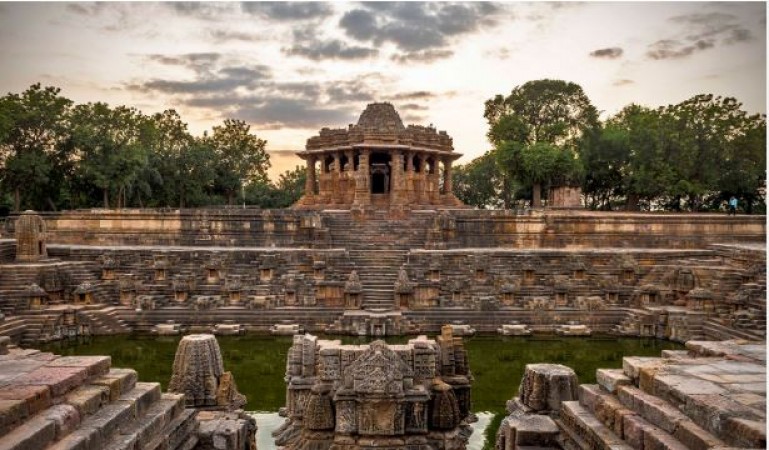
455, 229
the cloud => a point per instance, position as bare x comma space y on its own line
225, 79
414, 95
253, 93
199, 62
700, 31
333, 49
623, 82
608, 53
412, 107
229, 35
672, 49
425, 56
288, 11
417, 26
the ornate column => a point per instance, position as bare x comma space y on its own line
335, 179
448, 185
410, 192
348, 194
421, 185
397, 183
362, 181
309, 184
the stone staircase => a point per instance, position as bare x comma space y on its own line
669, 403
378, 272
80, 402
105, 321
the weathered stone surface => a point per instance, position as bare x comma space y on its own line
545, 386
198, 373
59, 380
377, 395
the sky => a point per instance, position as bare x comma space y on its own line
289, 69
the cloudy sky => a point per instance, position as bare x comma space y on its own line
289, 69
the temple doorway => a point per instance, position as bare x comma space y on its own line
380, 173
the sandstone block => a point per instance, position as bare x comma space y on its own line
611, 379
59, 380
33, 434
12, 413
65, 418
693, 436
89, 398
37, 398
118, 381
745, 432
96, 365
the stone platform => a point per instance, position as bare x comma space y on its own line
711, 396
82, 403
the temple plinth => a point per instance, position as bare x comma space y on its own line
379, 163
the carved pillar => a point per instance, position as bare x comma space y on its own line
409, 194
362, 181
421, 185
335, 179
309, 185
398, 183
349, 178
448, 186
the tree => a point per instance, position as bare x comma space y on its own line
552, 112
543, 163
113, 146
240, 157
479, 183
33, 129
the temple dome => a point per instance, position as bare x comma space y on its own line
380, 117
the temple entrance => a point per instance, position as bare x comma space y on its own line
379, 183
380, 173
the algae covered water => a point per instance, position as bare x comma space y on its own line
259, 363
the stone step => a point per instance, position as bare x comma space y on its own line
586, 431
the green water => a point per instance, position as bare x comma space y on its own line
259, 362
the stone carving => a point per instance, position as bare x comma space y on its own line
30, 237
198, 373
377, 395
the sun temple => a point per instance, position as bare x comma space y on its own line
380, 247
379, 163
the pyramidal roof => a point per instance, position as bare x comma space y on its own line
380, 116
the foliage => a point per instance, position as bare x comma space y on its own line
479, 182
55, 154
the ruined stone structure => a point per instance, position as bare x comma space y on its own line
199, 374
711, 396
379, 163
232, 271
414, 396
30, 237
49, 402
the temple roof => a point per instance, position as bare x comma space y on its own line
380, 125
380, 117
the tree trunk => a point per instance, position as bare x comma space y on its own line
106, 198
536, 195
51, 203
16, 199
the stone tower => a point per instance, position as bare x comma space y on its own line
379, 163
30, 237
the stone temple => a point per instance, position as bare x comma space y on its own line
379, 163
379, 246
